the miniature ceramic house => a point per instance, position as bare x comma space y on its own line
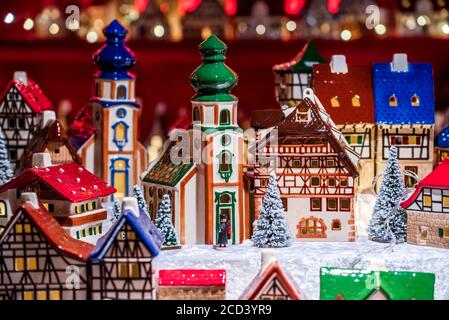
404, 114
122, 260
293, 77
208, 18
351, 284
39, 260
428, 209
442, 146
50, 138
21, 105
347, 95
113, 151
315, 166
152, 24
70, 193
272, 282
192, 284
205, 186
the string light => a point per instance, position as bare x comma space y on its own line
260, 29
9, 18
159, 31
291, 25
346, 35
28, 24
53, 29
380, 29
421, 20
92, 37
445, 28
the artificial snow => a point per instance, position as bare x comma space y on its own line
303, 261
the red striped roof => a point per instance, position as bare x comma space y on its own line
438, 178
70, 180
31, 93
192, 278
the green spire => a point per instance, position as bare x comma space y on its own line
213, 79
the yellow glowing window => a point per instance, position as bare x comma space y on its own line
427, 201
31, 263
45, 206
28, 295
120, 132
55, 295
2, 209
19, 264
446, 202
27, 228
334, 102
134, 270
19, 228
446, 232
119, 165
393, 101
354, 139
42, 295
123, 270
356, 101
415, 101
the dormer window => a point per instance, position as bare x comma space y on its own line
334, 102
225, 117
393, 101
415, 101
121, 92
356, 101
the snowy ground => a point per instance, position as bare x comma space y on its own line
303, 261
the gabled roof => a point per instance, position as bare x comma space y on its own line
443, 138
303, 61
69, 180
357, 82
82, 128
31, 93
53, 132
438, 178
403, 85
192, 278
351, 284
142, 226
261, 280
59, 239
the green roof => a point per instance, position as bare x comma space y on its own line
303, 61
351, 284
165, 172
213, 79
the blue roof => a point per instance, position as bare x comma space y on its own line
418, 80
443, 138
114, 58
142, 226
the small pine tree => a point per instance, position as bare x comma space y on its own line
138, 194
164, 223
271, 230
6, 173
116, 211
389, 219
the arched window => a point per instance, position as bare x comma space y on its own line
225, 117
120, 134
415, 101
120, 176
196, 114
3, 209
225, 165
121, 92
334, 102
393, 101
356, 101
311, 228
225, 198
336, 225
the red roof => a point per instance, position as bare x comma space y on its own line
192, 278
31, 93
60, 239
438, 178
344, 86
70, 180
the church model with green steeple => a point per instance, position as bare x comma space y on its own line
209, 187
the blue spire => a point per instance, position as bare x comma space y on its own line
114, 58
443, 138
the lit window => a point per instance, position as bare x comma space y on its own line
134, 270
427, 201
123, 270
121, 92
31, 263
19, 264
19, 228
415, 101
446, 202
393, 101
3, 210
28, 295
334, 102
356, 101
27, 228
120, 134
55, 295
225, 117
42, 295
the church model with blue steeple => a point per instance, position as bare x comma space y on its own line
113, 151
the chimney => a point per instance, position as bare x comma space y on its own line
268, 257
338, 64
48, 116
130, 204
30, 197
21, 76
400, 63
41, 160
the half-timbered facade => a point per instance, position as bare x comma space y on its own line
38, 260
428, 209
122, 261
404, 114
316, 170
21, 104
345, 90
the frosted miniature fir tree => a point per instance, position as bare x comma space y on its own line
138, 194
271, 230
164, 223
389, 219
116, 211
6, 173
